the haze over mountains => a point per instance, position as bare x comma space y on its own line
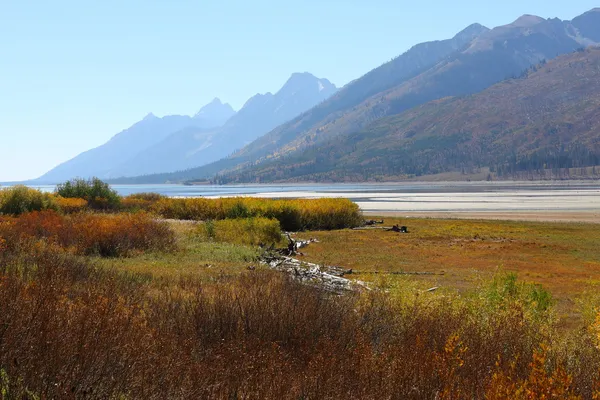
104, 160
397, 106
177, 142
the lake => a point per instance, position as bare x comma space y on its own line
411, 196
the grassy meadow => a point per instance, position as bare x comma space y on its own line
144, 297
462, 254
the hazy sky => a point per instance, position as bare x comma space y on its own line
73, 73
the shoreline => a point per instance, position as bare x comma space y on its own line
592, 216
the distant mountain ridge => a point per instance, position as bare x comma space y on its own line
176, 142
194, 146
102, 161
472, 61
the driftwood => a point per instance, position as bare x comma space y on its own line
327, 278
293, 246
330, 278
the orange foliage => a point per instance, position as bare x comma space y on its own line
541, 384
105, 235
71, 205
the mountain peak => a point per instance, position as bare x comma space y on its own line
300, 81
215, 110
471, 31
527, 20
149, 117
300, 77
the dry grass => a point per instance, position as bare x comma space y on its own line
245, 231
71, 330
564, 258
195, 258
194, 323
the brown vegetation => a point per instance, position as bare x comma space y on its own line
69, 330
195, 323
88, 234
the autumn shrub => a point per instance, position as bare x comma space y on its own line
147, 196
140, 201
90, 234
71, 330
16, 200
248, 231
293, 215
70, 205
121, 234
97, 193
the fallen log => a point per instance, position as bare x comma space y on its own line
330, 278
293, 246
327, 278
371, 222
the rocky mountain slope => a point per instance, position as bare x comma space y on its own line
546, 119
471, 62
194, 146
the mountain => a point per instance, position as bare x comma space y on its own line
195, 146
410, 64
547, 119
214, 114
493, 55
470, 62
102, 161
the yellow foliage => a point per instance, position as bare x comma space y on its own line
71, 205
292, 214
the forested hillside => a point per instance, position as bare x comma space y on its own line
546, 119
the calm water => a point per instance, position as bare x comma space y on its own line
477, 196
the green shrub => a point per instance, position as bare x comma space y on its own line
505, 290
248, 231
98, 194
21, 199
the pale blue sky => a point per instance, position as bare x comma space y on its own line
75, 72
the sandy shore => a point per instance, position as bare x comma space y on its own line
542, 216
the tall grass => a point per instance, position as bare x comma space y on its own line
70, 330
293, 215
80, 195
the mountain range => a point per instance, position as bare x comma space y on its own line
402, 118
177, 142
546, 119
